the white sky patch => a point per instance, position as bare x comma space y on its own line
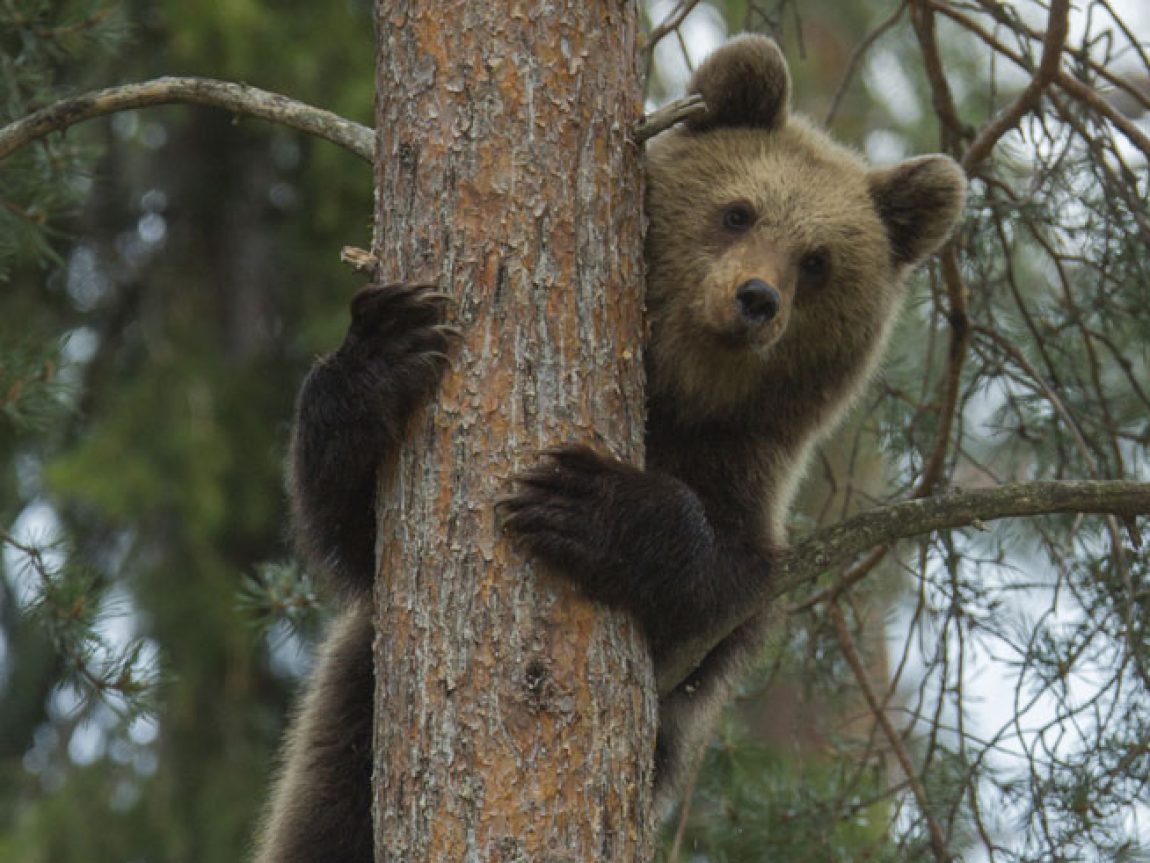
37, 526
85, 279
5, 668
87, 744
703, 31
884, 147
80, 346
144, 730
289, 655
152, 228
887, 81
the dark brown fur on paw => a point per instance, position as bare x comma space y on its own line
621, 534
554, 515
390, 313
398, 331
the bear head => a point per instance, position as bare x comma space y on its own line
776, 257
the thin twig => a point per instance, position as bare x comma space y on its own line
856, 59
1072, 86
851, 576
667, 116
240, 98
1028, 100
1129, 88
672, 22
90, 23
850, 652
958, 296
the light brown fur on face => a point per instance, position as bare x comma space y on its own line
809, 194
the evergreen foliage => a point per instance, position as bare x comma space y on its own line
152, 334
167, 275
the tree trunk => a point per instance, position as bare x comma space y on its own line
514, 721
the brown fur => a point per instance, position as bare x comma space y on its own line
320, 808
776, 261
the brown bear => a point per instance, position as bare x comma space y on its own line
776, 263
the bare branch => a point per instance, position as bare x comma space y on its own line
672, 22
850, 652
240, 98
958, 296
922, 19
1028, 99
1068, 83
856, 59
1085, 94
838, 545
1128, 95
667, 116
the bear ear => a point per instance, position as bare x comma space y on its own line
920, 201
744, 83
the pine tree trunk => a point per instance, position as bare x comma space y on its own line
515, 721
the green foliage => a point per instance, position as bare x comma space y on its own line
42, 44
146, 380
755, 803
280, 592
72, 606
30, 391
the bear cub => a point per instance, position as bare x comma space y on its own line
776, 263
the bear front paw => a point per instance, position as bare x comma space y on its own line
397, 334
557, 512
630, 538
399, 319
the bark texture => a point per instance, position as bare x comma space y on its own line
514, 721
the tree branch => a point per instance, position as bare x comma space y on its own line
672, 22
922, 19
857, 56
957, 317
252, 102
1048, 67
1066, 82
667, 116
894, 740
837, 546
239, 98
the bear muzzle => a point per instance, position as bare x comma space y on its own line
753, 319
758, 301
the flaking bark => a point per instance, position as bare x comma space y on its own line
515, 721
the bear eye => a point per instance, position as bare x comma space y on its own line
738, 218
815, 265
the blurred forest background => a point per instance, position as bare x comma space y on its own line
167, 276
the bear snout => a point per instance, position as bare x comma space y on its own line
758, 301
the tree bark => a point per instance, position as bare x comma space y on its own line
514, 720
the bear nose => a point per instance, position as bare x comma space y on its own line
758, 301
